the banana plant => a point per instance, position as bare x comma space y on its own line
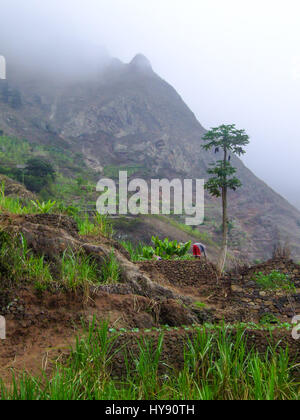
167, 249
148, 252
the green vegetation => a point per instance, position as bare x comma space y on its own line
134, 252
147, 253
165, 249
43, 207
217, 362
112, 171
95, 225
38, 174
14, 206
269, 319
217, 366
111, 270
85, 226
19, 265
78, 271
199, 305
67, 190
15, 152
202, 236
37, 166
100, 225
229, 140
275, 281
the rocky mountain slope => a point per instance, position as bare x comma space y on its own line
129, 117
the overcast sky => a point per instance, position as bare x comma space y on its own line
232, 61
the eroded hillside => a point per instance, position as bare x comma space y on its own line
44, 310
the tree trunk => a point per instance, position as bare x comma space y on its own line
223, 254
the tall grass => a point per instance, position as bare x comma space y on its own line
134, 252
13, 205
78, 271
216, 366
111, 270
20, 264
98, 225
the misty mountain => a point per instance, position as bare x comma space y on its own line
126, 115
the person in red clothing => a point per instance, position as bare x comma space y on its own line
198, 250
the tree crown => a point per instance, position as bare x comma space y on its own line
231, 140
228, 137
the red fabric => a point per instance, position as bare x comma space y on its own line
196, 251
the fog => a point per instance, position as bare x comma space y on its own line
232, 61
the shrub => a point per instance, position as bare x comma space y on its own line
39, 173
39, 167
275, 281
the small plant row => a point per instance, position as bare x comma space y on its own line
252, 326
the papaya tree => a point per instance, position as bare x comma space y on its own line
228, 140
